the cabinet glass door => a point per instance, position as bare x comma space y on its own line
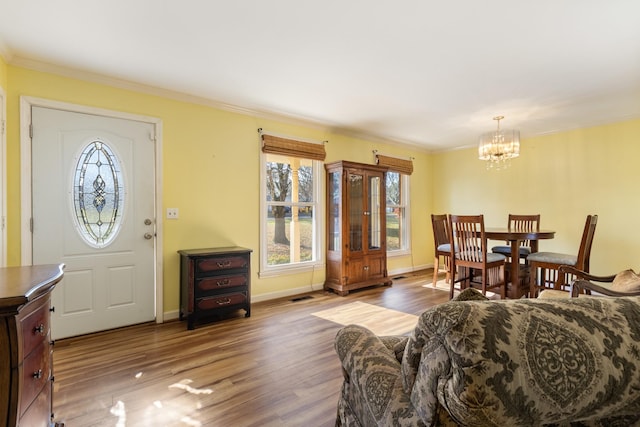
374, 213
335, 216
356, 211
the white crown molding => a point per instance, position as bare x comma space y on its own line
179, 96
5, 52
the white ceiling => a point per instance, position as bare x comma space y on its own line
423, 72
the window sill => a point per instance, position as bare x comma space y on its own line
398, 253
290, 269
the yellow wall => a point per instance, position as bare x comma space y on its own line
564, 177
211, 173
211, 164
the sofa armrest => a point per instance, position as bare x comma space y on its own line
373, 377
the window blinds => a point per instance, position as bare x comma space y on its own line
395, 164
290, 147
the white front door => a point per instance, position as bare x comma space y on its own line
93, 208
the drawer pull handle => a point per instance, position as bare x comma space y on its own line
37, 374
224, 264
225, 301
38, 329
224, 282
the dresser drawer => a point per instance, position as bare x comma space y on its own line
208, 284
204, 265
39, 413
221, 301
34, 325
36, 372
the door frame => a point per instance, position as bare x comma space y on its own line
26, 103
3, 178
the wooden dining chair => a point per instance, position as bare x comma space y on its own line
467, 235
548, 263
440, 227
521, 223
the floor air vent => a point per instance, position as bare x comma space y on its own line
301, 298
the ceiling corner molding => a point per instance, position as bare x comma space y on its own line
156, 91
353, 133
284, 117
5, 52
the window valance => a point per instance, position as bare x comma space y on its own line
395, 164
291, 147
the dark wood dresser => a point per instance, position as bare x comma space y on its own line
26, 371
214, 282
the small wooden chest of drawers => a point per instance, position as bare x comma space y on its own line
26, 380
213, 282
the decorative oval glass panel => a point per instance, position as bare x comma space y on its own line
98, 194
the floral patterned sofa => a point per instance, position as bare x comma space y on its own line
474, 362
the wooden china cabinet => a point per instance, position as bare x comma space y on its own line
356, 226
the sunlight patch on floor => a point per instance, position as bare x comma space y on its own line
159, 410
184, 385
380, 320
119, 411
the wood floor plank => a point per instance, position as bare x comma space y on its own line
275, 368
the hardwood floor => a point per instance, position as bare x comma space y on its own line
275, 368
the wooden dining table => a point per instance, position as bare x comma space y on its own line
515, 237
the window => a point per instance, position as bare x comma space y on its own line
290, 209
397, 213
98, 194
397, 202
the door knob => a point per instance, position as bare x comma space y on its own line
148, 236
147, 221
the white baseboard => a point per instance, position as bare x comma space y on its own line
171, 315
409, 269
287, 292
